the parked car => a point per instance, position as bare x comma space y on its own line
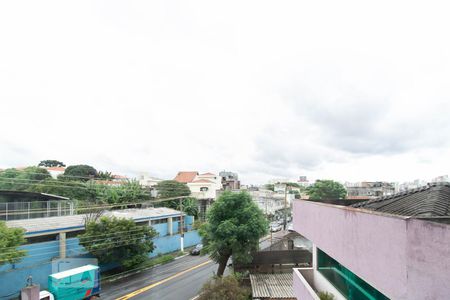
290, 227
275, 227
197, 249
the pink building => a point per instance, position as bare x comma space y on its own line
393, 247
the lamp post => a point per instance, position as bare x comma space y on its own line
181, 227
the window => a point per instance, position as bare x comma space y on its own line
349, 284
41, 239
203, 189
159, 221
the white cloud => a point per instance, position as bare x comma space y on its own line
338, 89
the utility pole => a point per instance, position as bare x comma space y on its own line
285, 206
181, 227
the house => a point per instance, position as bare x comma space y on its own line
391, 247
270, 202
202, 186
370, 189
230, 181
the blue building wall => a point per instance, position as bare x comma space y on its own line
38, 262
171, 243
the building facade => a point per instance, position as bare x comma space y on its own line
370, 189
393, 247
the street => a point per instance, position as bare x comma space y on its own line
179, 279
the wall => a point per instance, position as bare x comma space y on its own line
369, 244
403, 258
38, 262
428, 260
172, 243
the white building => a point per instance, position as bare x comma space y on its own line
149, 181
270, 202
202, 186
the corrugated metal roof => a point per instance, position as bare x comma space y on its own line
50, 224
274, 286
428, 201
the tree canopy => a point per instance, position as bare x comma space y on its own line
51, 163
79, 173
118, 240
326, 189
233, 228
225, 288
172, 188
10, 239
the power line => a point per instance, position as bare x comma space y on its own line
98, 206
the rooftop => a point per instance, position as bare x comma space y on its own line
432, 200
186, 177
76, 222
272, 286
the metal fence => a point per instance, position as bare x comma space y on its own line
35, 209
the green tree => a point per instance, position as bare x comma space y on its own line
79, 173
233, 228
118, 240
326, 189
22, 180
172, 188
269, 186
190, 205
224, 288
51, 163
76, 190
105, 175
128, 192
10, 239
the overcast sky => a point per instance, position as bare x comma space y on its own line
346, 90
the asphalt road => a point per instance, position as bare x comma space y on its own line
180, 279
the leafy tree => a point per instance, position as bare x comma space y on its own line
118, 240
270, 187
224, 288
51, 163
76, 190
190, 206
10, 239
22, 180
79, 173
127, 192
234, 226
105, 175
326, 189
172, 188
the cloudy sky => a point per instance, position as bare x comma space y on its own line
348, 90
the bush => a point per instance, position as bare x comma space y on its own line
224, 288
325, 296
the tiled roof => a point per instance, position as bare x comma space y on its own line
428, 201
272, 286
186, 177
210, 174
357, 198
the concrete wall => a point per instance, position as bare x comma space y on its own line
402, 258
428, 256
302, 289
172, 243
38, 262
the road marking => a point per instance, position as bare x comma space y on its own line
148, 287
